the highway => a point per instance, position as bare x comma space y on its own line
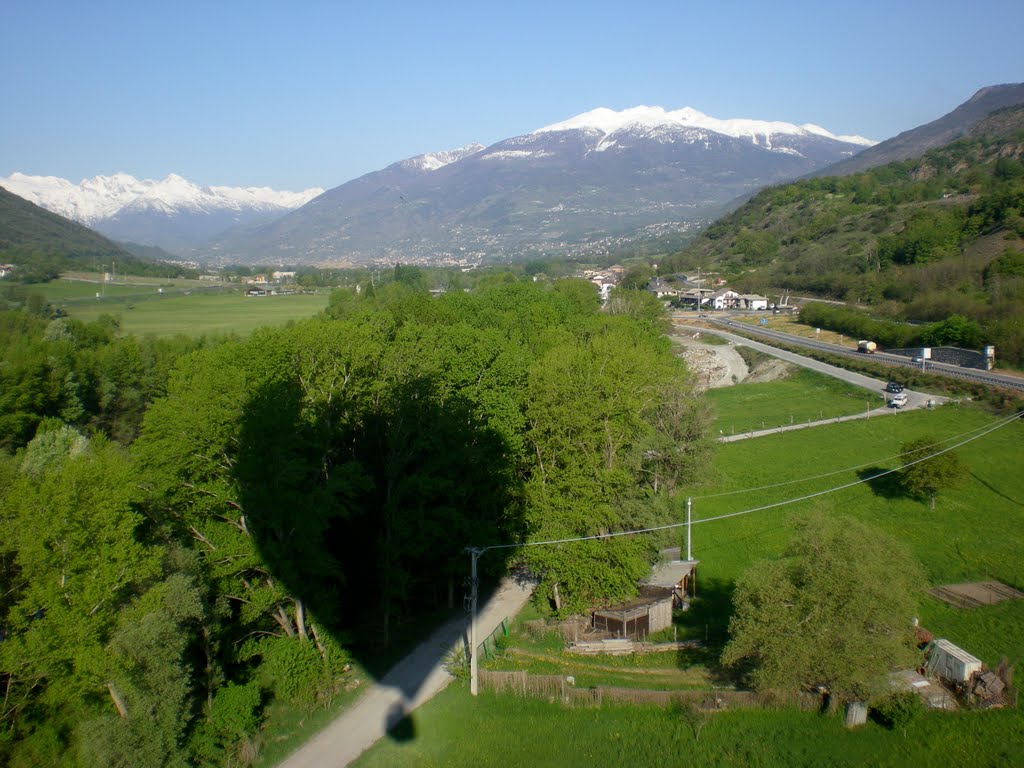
971, 374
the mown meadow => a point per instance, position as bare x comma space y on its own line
171, 307
455, 730
801, 397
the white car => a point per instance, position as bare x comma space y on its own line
898, 401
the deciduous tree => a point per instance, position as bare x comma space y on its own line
836, 611
924, 476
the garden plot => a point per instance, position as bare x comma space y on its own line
975, 594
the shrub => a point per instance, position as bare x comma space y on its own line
897, 710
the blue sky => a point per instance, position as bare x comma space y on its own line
300, 94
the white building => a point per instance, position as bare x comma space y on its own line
725, 298
753, 301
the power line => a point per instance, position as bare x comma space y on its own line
670, 526
841, 471
476, 552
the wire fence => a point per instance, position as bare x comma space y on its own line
563, 688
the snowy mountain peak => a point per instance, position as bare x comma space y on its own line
608, 121
434, 160
103, 197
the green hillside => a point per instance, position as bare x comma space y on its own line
42, 244
918, 240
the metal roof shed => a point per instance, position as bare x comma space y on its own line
951, 662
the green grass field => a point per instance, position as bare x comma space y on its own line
171, 307
456, 730
974, 533
801, 397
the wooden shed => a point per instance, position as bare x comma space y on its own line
675, 574
669, 586
650, 612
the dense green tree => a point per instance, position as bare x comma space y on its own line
637, 277
603, 414
410, 276
836, 611
642, 306
924, 476
954, 331
74, 561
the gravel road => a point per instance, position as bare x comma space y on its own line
413, 681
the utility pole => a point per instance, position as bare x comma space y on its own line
474, 554
689, 541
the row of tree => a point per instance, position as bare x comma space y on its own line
954, 331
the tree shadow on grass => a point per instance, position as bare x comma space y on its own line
363, 512
884, 483
707, 621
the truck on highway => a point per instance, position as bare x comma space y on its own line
866, 346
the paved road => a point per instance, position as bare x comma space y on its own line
413, 681
990, 378
875, 386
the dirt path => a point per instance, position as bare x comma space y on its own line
413, 681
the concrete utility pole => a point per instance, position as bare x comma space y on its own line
689, 527
474, 553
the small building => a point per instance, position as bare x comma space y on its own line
950, 662
754, 301
662, 289
650, 612
725, 298
669, 586
675, 574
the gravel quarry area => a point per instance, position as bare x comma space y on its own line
721, 365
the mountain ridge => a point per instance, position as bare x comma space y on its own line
172, 211
567, 188
913, 143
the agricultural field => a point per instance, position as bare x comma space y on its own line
973, 534
791, 324
802, 396
171, 307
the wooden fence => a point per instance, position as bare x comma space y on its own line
561, 688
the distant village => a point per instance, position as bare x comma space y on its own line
682, 291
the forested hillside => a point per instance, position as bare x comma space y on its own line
302, 498
41, 244
920, 240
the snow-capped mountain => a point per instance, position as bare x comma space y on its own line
595, 182
656, 121
171, 212
435, 160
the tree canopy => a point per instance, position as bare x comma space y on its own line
197, 529
925, 477
836, 611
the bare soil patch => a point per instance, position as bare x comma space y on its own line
721, 365
976, 594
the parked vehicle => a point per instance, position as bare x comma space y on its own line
898, 401
894, 387
866, 346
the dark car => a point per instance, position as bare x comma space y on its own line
893, 387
